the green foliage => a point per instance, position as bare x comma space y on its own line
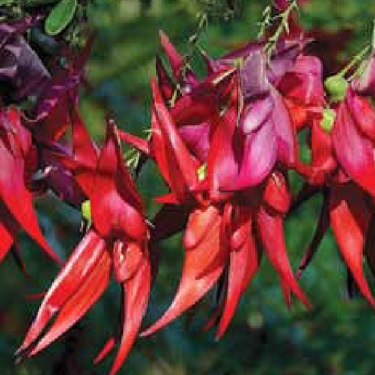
336, 337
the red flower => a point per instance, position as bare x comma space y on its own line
353, 136
16, 200
118, 240
343, 166
222, 231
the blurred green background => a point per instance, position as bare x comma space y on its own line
265, 338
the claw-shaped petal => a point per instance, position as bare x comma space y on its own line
200, 254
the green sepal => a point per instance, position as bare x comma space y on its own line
328, 120
336, 87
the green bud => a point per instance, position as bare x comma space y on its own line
202, 172
328, 120
86, 211
336, 87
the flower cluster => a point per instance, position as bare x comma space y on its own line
224, 145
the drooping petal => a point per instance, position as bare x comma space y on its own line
106, 349
80, 264
136, 295
270, 229
363, 114
354, 152
195, 283
284, 131
350, 219
13, 191
79, 303
243, 265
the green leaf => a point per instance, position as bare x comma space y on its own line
60, 17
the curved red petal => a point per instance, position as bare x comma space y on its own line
80, 264
79, 303
244, 263
350, 218
354, 152
270, 228
137, 293
193, 284
363, 114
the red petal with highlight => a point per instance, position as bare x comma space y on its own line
270, 228
73, 274
136, 295
350, 218
259, 158
222, 165
13, 191
8, 229
276, 193
244, 263
194, 283
173, 158
79, 303
363, 114
115, 204
354, 151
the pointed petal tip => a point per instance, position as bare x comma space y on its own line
162, 322
107, 348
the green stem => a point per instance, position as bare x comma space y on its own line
283, 26
193, 40
356, 59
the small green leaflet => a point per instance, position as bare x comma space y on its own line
60, 17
